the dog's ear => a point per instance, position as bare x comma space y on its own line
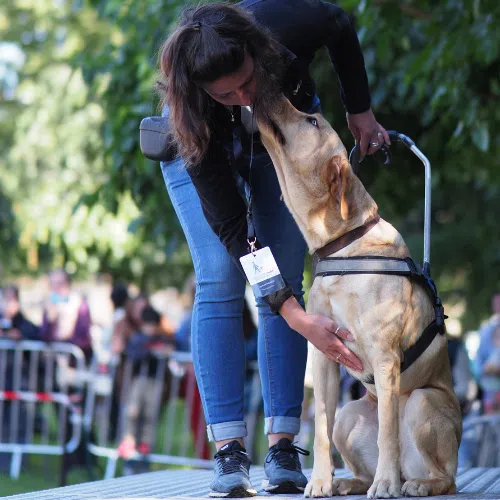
338, 174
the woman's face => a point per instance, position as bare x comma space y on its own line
238, 88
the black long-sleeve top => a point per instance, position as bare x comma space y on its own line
302, 27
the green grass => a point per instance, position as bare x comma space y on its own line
40, 473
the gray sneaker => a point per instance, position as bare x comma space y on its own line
231, 474
283, 469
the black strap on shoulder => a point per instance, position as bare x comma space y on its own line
424, 341
436, 327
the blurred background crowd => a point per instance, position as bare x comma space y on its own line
91, 252
119, 322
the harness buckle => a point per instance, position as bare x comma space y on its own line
424, 277
440, 315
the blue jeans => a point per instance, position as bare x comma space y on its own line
217, 333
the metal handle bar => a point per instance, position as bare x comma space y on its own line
398, 137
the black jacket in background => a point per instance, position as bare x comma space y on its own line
29, 331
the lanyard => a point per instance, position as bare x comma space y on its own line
237, 152
251, 235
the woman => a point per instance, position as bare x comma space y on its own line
217, 67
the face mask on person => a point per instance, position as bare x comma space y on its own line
57, 298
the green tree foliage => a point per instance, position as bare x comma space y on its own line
434, 70
75, 172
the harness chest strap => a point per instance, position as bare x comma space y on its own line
340, 266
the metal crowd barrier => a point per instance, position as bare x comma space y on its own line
43, 387
482, 436
179, 435
40, 384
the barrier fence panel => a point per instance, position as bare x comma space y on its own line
41, 389
159, 405
481, 436
143, 399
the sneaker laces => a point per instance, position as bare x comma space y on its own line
286, 455
231, 461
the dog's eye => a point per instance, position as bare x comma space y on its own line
312, 121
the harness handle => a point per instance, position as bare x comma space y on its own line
404, 139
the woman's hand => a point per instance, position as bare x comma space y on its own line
365, 129
322, 332
325, 334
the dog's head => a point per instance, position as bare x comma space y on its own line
312, 163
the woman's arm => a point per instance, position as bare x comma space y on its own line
345, 52
342, 43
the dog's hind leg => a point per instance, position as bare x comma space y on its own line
326, 379
355, 437
431, 430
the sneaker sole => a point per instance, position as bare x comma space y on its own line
284, 487
238, 492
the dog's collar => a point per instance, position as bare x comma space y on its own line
346, 239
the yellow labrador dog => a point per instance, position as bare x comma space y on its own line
403, 436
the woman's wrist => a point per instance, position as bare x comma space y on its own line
294, 314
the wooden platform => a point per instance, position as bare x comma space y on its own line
181, 484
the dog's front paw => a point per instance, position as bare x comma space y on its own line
319, 487
385, 488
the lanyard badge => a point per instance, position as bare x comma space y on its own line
262, 271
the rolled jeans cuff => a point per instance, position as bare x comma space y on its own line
286, 425
226, 430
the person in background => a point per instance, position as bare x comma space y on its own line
250, 333
485, 361
490, 375
460, 371
15, 325
122, 332
462, 377
144, 349
182, 335
128, 324
167, 327
119, 298
66, 317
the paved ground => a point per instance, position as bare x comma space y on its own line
182, 484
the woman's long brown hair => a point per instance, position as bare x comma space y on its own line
209, 42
